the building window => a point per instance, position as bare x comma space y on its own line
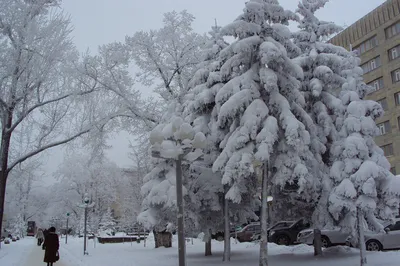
392, 30
387, 149
377, 84
397, 98
396, 75
393, 170
366, 46
384, 128
383, 103
371, 65
394, 52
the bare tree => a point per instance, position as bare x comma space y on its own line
169, 54
41, 93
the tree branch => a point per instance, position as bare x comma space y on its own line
40, 104
51, 145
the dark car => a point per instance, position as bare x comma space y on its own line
287, 235
278, 225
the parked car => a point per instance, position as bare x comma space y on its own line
390, 239
246, 234
219, 236
288, 235
329, 237
6, 240
281, 224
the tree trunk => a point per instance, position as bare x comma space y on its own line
208, 244
227, 240
263, 260
4, 150
317, 242
361, 240
3, 182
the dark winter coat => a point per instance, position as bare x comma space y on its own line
51, 246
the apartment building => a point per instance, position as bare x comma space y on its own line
376, 38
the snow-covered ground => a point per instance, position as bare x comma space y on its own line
15, 253
243, 254
133, 254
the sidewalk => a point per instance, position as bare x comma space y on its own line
35, 258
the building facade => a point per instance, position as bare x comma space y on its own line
376, 38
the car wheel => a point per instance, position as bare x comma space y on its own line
282, 240
326, 243
220, 238
373, 245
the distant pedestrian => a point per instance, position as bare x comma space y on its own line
39, 237
45, 232
51, 246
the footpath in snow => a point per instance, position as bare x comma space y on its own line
25, 252
35, 257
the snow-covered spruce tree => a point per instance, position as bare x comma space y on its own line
107, 223
205, 191
260, 105
322, 66
365, 191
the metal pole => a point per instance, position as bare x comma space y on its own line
179, 198
66, 233
263, 260
84, 232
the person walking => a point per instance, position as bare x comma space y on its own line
39, 237
51, 246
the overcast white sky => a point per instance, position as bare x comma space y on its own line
99, 22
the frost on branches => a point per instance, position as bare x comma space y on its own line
20, 226
170, 141
361, 173
261, 101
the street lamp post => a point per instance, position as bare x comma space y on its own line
186, 142
66, 230
179, 195
179, 203
86, 205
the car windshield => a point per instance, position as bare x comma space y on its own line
282, 224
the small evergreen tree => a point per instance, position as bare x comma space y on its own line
107, 223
